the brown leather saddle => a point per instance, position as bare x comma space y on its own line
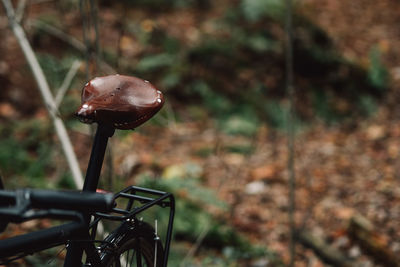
121, 101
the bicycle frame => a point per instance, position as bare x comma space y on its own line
77, 233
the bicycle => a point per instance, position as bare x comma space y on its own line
113, 102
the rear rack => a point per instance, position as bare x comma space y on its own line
138, 200
152, 197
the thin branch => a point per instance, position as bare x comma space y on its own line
168, 119
58, 33
46, 93
323, 250
196, 246
72, 41
19, 12
40, 1
67, 82
170, 116
290, 129
1, 182
85, 36
95, 22
9, 10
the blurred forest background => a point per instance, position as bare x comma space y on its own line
220, 142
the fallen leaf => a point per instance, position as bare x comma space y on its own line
255, 188
375, 132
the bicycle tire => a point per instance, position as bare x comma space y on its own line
130, 241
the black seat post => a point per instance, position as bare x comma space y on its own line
103, 132
97, 156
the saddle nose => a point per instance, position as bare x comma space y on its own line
125, 102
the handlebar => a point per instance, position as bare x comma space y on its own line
26, 204
80, 201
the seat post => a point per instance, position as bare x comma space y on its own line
103, 132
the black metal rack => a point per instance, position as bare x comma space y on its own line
140, 199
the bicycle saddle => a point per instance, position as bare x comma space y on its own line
122, 101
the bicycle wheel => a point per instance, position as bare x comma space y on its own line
132, 244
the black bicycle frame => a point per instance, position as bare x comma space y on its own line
77, 231
75, 248
76, 234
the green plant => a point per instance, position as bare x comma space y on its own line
240, 125
254, 10
25, 153
155, 62
217, 103
368, 105
377, 72
158, 5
